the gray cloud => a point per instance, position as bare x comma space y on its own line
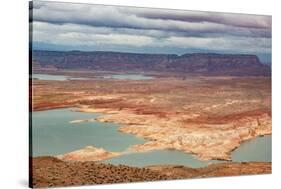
73, 34
98, 25
239, 20
157, 19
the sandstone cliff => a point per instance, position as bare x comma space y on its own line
197, 63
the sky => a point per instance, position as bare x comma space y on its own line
88, 27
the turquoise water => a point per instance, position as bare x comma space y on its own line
55, 77
49, 77
159, 157
113, 76
53, 134
258, 149
128, 77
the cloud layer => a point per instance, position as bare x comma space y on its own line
111, 27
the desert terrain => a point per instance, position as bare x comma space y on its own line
49, 172
207, 114
130, 94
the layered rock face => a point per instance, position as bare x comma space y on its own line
197, 63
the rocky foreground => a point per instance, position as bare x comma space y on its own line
51, 172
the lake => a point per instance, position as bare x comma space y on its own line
53, 134
159, 157
49, 77
56, 77
112, 76
128, 77
258, 149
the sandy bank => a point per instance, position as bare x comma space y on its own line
89, 153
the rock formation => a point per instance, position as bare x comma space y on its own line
197, 63
89, 153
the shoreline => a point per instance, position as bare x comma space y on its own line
209, 119
123, 127
108, 112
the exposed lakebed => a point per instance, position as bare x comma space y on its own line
53, 134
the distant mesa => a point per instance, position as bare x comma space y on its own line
196, 63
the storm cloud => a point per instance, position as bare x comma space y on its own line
98, 26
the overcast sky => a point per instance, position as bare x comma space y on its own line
67, 26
